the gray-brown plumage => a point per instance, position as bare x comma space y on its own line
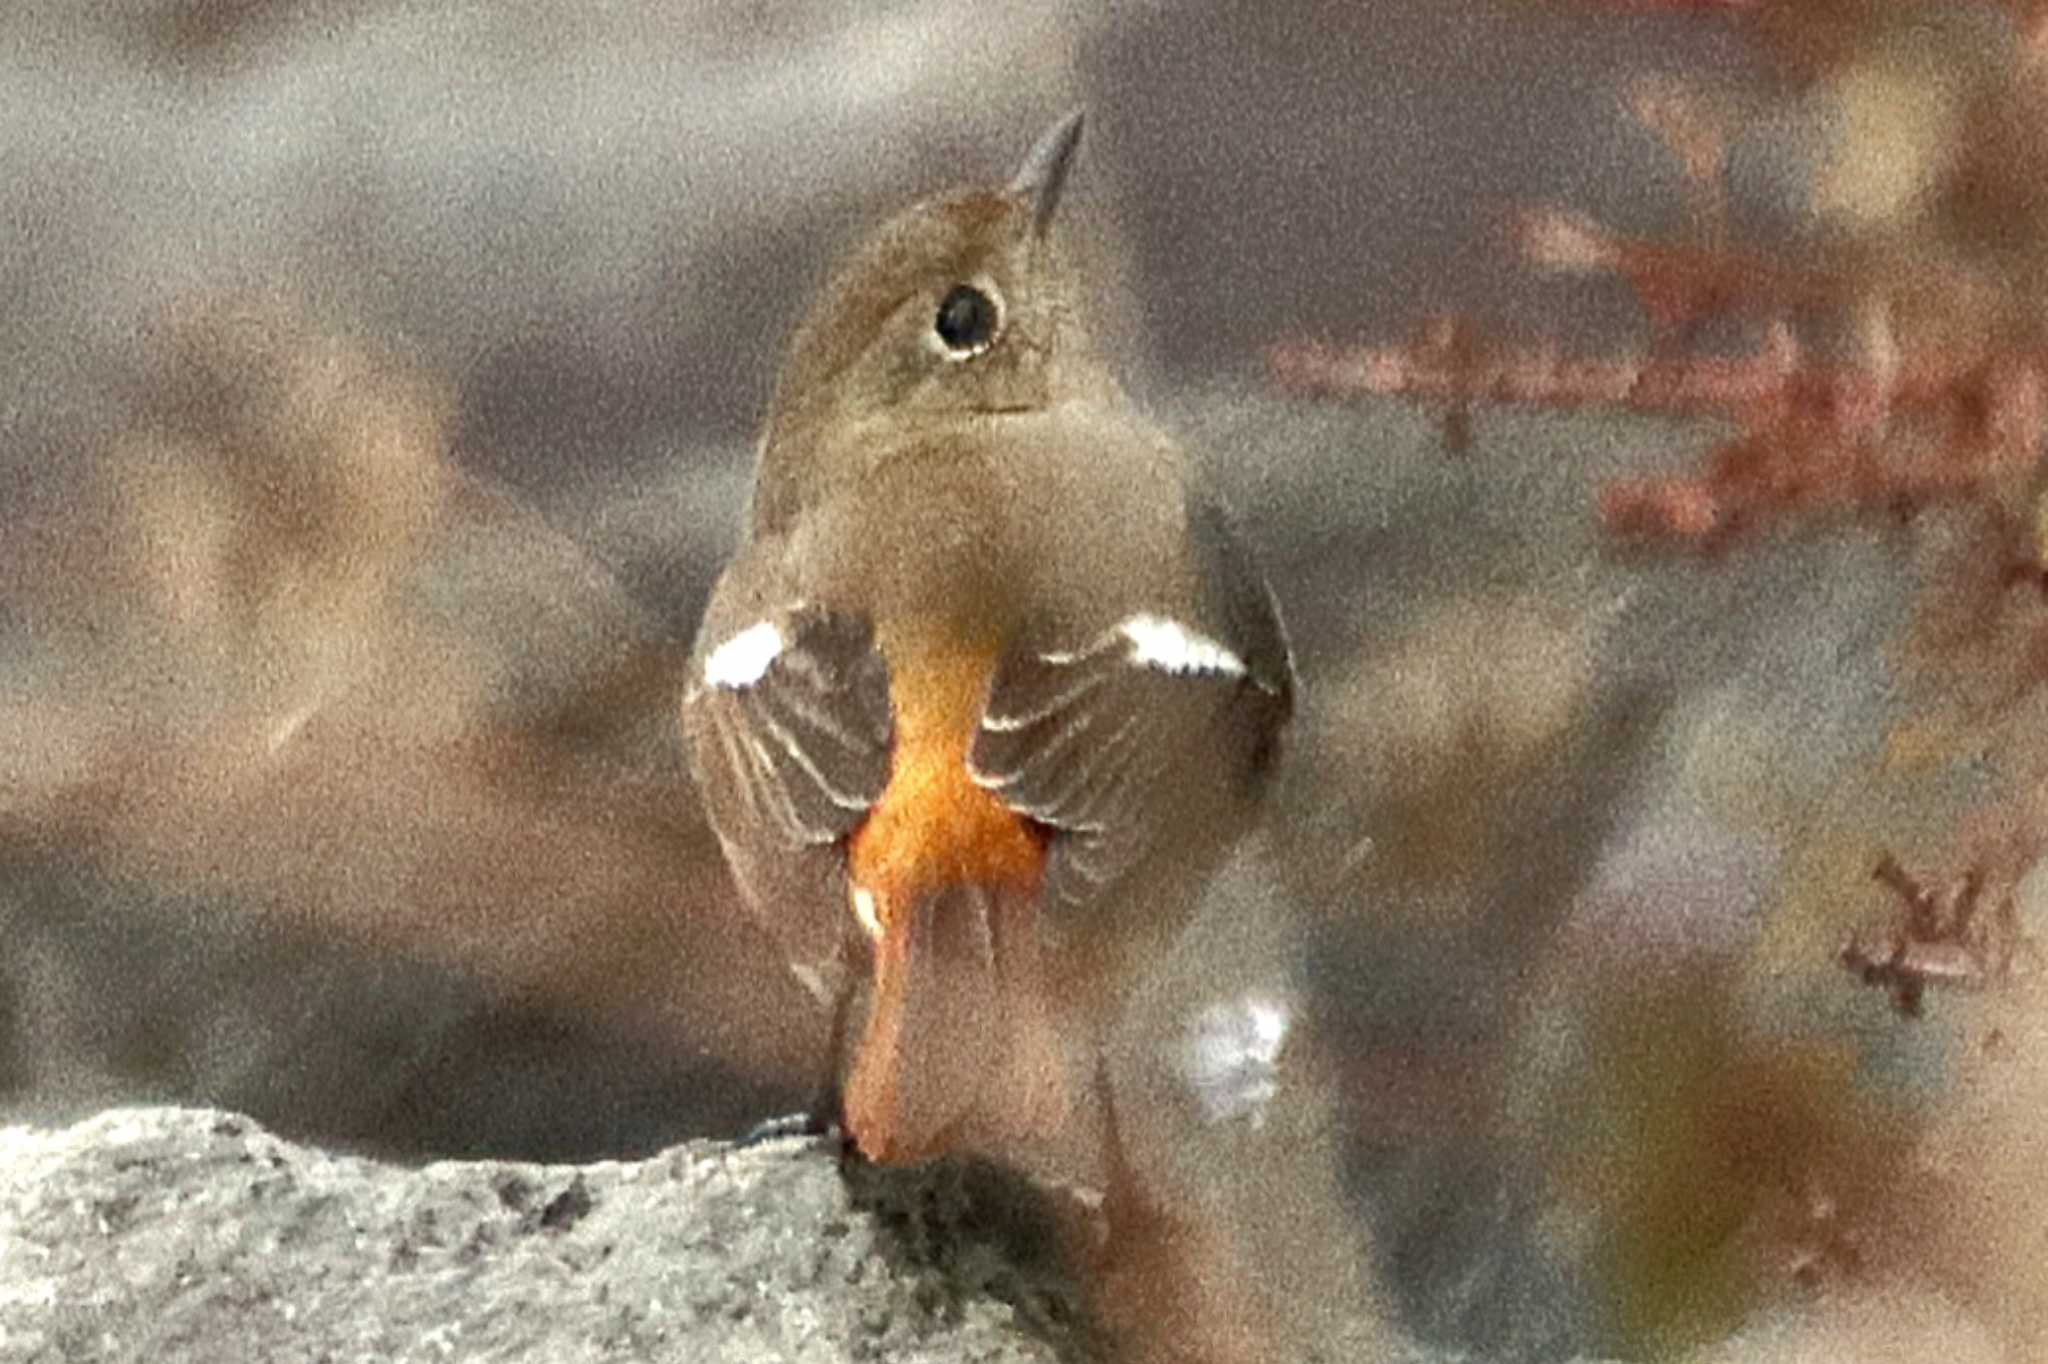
991, 686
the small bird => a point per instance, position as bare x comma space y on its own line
991, 686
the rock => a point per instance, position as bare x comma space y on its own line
191, 1234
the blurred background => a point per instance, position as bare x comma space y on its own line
377, 382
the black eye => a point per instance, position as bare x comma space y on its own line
967, 320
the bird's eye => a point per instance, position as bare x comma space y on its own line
967, 321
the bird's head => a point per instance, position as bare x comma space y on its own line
959, 307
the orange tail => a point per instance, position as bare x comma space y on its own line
960, 1046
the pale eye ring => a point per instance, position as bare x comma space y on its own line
967, 321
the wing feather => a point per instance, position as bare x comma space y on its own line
790, 734
803, 739
1113, 741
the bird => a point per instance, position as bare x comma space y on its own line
991, 686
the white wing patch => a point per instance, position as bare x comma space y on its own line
1169, 646
745, 658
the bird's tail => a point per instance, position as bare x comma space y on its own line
961, 1046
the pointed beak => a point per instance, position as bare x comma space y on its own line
1044, 172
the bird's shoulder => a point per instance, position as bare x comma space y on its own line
1045, 531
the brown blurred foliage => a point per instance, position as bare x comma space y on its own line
272, 653
1736, 1130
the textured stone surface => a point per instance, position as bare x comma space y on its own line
191, 1234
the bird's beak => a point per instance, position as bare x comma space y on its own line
1044, 172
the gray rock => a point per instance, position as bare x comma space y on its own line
191, 1234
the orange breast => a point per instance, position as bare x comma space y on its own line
933, 827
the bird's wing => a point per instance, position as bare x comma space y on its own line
789, 725
1242, 602
1117, 742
